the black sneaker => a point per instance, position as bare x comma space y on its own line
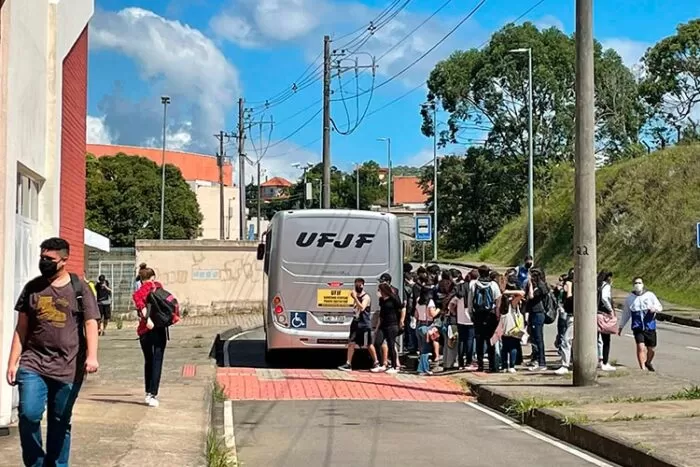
345, 367
649, 366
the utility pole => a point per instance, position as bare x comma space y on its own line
326, 192
259, 205
241, 169
585, 248
357, 195
165, 100
435, 184
220, 162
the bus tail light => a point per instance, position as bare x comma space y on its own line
279, 310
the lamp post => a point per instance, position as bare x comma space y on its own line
165, 100
388, 183
530, 203
433, 106
357, 180
306, 167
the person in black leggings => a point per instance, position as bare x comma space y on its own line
390, 309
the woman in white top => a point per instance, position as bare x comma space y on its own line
606, 308
426, 311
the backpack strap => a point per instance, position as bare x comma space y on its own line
78, 288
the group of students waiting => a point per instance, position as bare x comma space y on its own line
458, 320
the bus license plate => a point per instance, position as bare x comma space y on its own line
333, 319
334, 298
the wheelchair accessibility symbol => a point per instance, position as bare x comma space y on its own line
298, 320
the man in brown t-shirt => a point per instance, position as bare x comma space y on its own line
54, 345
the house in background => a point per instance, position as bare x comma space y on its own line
408, 194
275, 188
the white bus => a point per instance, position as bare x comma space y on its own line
311, 259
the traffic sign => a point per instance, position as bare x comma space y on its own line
424, 228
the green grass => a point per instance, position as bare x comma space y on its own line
217, 393
691, 393
647, 209
686, 394
217, 454
576, 419
524, 406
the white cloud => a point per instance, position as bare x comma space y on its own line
250, 23
97, 132
549, 21
630, 50
256, 23
176, 59
177, 139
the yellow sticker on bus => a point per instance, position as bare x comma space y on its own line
334, 298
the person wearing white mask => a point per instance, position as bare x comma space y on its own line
641, 307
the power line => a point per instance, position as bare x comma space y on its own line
427, 52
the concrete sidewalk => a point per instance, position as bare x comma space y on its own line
111, 424
679, 314
631, 418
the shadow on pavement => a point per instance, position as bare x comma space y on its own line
250, 353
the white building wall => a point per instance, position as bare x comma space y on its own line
36, 36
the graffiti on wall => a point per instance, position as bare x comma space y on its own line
235, 277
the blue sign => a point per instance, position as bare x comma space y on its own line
697, 234
251, 232
424, 228
298, 320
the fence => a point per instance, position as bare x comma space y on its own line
119, 268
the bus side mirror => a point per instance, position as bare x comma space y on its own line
261, 251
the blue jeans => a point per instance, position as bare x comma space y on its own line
509, 351
425, 349
466, 344
35, 393
537, 338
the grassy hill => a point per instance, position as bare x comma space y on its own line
647, 210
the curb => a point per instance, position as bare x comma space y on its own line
680, 320
588, 438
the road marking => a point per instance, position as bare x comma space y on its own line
693, 348
229, 435
227, 359
535, 434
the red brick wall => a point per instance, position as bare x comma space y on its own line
73, 124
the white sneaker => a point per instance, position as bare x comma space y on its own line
378, 369
536, 368
392, 371
148, 398
607, 367
562, 371
512, 370
153, 402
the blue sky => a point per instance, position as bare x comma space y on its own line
206, 54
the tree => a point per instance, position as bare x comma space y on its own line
485, 93
671, 86
123, 200
371, 190
406, 171
473, 200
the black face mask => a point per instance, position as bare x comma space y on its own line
528, 265
358, 289
48, 268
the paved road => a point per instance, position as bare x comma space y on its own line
370, 432
677, 355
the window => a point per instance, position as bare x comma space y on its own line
268, 247
27, 197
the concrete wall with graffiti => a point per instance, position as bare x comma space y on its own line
207, 276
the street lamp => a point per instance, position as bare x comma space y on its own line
165, 100
388, 184
357, 177
530, 213
433, 105
306, 167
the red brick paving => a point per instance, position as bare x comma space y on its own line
189, 370
257, 384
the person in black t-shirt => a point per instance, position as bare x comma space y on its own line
361, 326
390, 312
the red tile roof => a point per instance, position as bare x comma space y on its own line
193, 166
277, 182
407, 190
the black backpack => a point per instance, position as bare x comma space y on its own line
163, 308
